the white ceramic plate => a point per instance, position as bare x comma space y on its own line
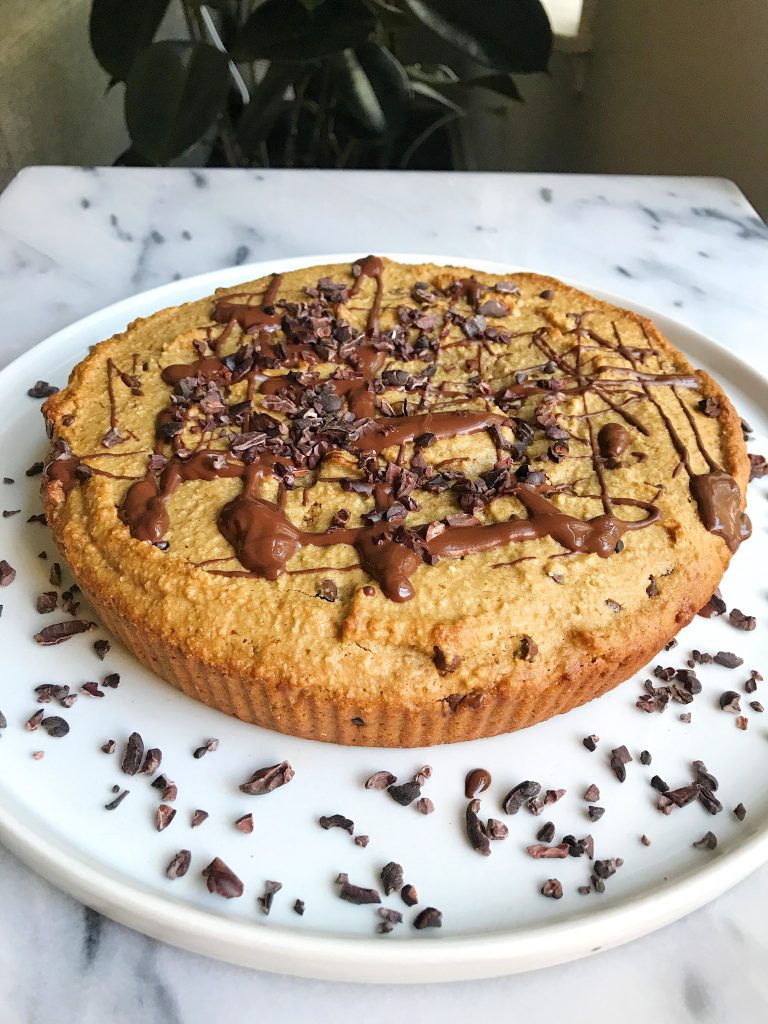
494, 919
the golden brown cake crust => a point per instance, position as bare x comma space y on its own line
483, 636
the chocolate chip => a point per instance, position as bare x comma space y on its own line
265, 901
552, 888
134, 754
742, 621
707, 842
102, 648
58, 632
727, 659
267, 779
179, 865
337, 821
476, 782
55, 726
445, 663
222, 880
406, 793
198, 818
519, 794
357, 894
42, 389
380, 780
164, 816
546, 294
7, 574
430, 917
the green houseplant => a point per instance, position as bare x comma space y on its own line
311, 83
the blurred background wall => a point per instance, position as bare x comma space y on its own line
656, 86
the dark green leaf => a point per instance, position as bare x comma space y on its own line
422, 89
431, 74
266, 105
508, 35
120, 29
503, 84
286, 30
175, 91
373, 89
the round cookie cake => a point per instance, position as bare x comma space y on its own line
394, 505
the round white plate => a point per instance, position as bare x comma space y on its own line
495, 920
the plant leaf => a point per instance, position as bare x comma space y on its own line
286, 30
422, 89
120, 29
504, 85
174, 92
507, 35
267, 102
431, 74
373, 89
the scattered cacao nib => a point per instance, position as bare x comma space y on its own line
595, 813
164, 816
742, 723
92, 689
658, 783
546, 833
740, 811
265, 780
54, 577
35, 469
590, 742
645, 757
715, 606
38, 755
113, 804
109, 747
7, 574
742, 621
390, 919
362, 841
758, 466
727, 659
445, 663
683, 796
208, 747
552, 796
519, 794
591, 794
152, 761
496, 829
750, 686
476, 830
392, 877
3, 721
39, 518
613, 605
198, 817
541, 852
406, 793
424, 805
408, 895
380, 780
357, 894
429, 917
55, 726
552, 888
645, 840
134, 754
179, 865
729, 701
422, 775
8, 512
112, 681
686, 717
584, 890
605, 868
299, 907
336, 821
327, 591
58, 632
8, 480
34, 720
707, 842
102, 648
620, 757
265, 901
222, 880
42, 389
756, 706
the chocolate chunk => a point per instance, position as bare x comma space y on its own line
392, 877
267, 779
476, 831
380, 780
590, 742
729, 701
265, 901
445, 663
709, 407
102, 648
742, 621
198, 817
740, 811
179, 865
357, 894
727, 659
245, 824
134, 754
164, 816
113, 804
707, 842
492, 307
299, 907
7, 574
519, 794
327, 590
222, 880
429, 917
58, 632
337, 821
552, 888
55, 726
42, 389
406, 793
424, 805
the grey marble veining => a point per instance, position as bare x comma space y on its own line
73, 240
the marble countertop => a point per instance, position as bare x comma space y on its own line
73, 240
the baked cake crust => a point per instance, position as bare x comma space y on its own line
244, 497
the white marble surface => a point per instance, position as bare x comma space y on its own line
73, 240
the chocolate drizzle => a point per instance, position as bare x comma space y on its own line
304, 416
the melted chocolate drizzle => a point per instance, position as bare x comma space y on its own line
274, 336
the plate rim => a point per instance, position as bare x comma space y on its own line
283, 950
